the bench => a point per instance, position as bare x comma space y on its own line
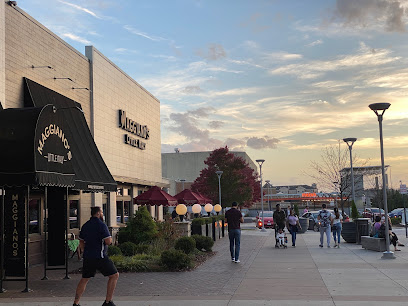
374, 244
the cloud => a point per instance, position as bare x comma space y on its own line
283, 56
365, 57
76, 38
370, 13
192, 90
80, 8
216, 124
213, 52
315, 43
142, 34
262, 143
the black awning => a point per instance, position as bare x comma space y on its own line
91, 172
48, 145
35, 148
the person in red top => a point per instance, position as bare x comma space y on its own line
234, 220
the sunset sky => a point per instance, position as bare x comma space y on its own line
277, 79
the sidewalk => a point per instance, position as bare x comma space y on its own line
305, 275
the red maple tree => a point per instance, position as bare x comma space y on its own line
239, 182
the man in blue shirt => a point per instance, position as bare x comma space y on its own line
94, 240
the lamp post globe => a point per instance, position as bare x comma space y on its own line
350, 142
379, 109
208, 208
196, 208
181, 210
260, 163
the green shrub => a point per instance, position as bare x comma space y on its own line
296, 209
141, 248
137, 263
128, 248
203, 242
140, 228
175, 259
185, 244
396, 220
114, 250
354, 211
168, 232
198, 222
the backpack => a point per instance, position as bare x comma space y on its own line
324, 218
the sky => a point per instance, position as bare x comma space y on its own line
278, 79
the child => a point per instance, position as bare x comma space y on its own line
281, 238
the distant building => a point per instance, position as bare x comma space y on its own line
182, 168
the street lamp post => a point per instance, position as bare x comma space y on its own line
219, 173
260, 162
269, 195
350, 142
379, 109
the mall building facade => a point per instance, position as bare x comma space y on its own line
122, 116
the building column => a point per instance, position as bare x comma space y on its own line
112, 209
2, 55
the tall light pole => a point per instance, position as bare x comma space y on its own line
350, 142
269, 196
219, 173
260, 162
379, 109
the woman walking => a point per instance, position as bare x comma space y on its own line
336, 225
293, 225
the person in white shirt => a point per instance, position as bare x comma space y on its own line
336, 223
325, 219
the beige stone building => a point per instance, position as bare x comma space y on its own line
122, 116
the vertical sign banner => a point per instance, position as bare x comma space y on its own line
14, 232
403, 189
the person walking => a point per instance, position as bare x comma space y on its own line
293, 225
337, 225
279, 220
234, 220
94, 240
325, 219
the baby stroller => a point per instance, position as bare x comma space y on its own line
281, 239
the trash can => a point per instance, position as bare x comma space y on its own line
363, 228
304, 223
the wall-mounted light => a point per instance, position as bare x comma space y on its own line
81, 88
49, 67
12, 3
69, 79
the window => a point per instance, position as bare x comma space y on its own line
127, 210
34, 216
119, 211
73, 214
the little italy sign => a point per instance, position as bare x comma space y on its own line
135, 128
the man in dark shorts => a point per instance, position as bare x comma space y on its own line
279, 219
94, 241
234, 220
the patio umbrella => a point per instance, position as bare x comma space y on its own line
206, 199
189, 197
155, 196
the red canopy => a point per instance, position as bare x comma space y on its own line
188, 197
207, 200
155, 196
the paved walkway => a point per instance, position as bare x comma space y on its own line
305, 275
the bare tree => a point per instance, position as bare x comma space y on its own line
331, 174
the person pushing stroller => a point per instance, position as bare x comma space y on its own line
279, 220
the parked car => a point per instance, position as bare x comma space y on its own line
268, 219
372, 212
397, 212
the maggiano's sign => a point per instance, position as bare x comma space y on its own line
53, 157
14, 232
135, 128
